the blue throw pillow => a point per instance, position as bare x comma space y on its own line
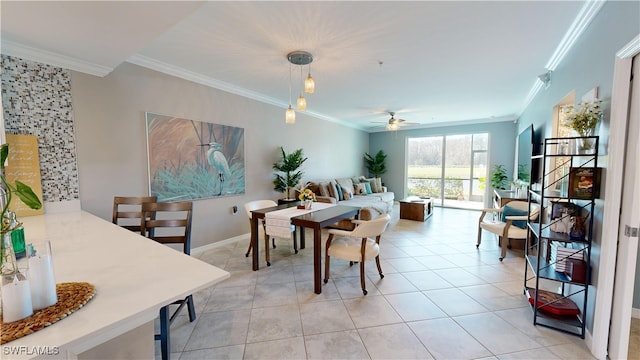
509, 211
340, 195
367, 187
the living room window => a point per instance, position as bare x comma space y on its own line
449, 168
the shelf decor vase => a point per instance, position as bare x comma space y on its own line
307, 204
585, 146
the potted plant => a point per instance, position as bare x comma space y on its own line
375, 164
499, 178
583, 118
289, 176
8, 222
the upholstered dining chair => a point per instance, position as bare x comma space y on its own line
261, 204
169, 223
127, 211
509, 222
357, 245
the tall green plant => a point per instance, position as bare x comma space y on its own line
375, 164
499, 178
289, 176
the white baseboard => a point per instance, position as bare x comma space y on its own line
217, 244
635, 313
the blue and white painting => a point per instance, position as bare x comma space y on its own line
190, 160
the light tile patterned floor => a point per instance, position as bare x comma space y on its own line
441, 298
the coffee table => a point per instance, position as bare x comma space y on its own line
416, 208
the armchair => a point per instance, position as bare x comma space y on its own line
509, 222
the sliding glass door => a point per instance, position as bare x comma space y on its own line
451, 169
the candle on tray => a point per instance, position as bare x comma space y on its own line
43, 283
16, 297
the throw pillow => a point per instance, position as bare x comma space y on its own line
345, 183
509, 211
355, 180
367, 187
373, 183
340, 194
359, 189
333, 190
346, 194
379, 185
324, 189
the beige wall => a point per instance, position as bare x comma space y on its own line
111, 142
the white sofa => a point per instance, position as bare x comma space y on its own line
372, 204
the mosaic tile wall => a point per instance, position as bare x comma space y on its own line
36, 100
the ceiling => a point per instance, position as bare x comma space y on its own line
432, 63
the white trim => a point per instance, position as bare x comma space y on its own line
201, 249
611, 212
185, 74
48, 57
589, 10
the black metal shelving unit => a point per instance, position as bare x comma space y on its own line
540, 266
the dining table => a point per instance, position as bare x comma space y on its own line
315, 220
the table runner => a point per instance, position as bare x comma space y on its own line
278, 222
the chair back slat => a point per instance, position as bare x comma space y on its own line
168, 223
127, 211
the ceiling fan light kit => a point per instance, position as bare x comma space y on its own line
299, 58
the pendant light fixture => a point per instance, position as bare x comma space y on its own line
290, 115
309, 84
300, 58
301, 104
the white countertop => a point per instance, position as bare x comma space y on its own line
133, 276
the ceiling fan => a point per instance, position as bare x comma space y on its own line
393, 124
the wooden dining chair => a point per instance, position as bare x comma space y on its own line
127, 211
169, 223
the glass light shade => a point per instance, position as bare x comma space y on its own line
309, 85
290, 116
392, 127
301, 103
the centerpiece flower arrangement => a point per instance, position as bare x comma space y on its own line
307, 195
583, 118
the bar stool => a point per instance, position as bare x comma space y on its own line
169, 223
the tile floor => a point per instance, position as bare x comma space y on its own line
634, 340
441, 298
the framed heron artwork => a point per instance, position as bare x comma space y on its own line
190, 160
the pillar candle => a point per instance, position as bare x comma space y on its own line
43, 283
16, 299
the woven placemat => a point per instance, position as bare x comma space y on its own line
71, 297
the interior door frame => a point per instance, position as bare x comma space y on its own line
611, 215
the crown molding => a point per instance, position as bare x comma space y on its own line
51, 58
182, 73
589, 10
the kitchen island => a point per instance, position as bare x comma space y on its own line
133, 277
